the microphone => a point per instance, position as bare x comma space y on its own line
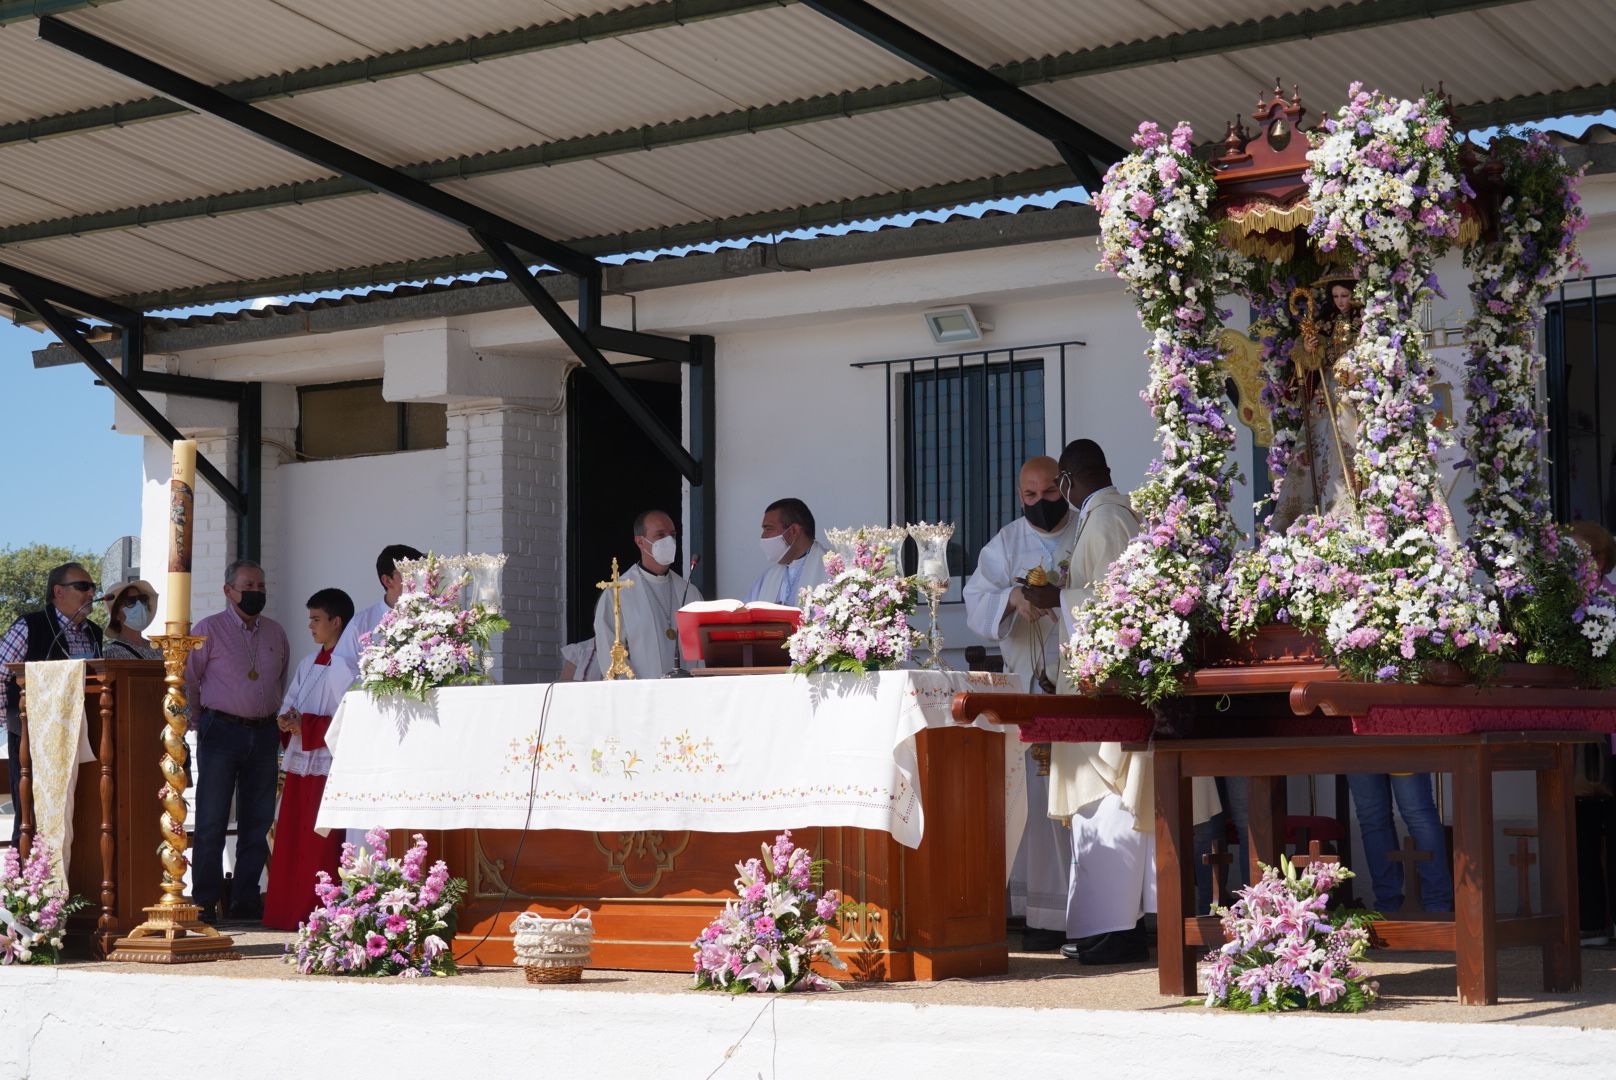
679, 670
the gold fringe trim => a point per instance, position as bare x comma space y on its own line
1260, 217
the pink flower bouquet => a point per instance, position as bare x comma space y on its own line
33, 907
381, 917
769, 937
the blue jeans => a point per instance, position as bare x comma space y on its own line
233, 761
1372, 795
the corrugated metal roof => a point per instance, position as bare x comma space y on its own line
901, 138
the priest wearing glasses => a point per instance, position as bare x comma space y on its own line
649, 605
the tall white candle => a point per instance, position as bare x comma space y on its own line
181, 515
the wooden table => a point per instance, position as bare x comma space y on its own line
1476, 930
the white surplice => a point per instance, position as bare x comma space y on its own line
315, 689
648, 608
1038, 851
363, 622
782, 583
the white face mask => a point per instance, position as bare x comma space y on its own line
665, 550
775, 547
137, 616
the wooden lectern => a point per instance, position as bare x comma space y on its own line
115, 821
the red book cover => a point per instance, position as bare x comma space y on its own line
735, 617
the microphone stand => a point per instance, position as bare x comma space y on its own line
679, 670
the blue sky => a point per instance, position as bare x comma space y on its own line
71, 480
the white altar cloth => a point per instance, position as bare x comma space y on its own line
711, 754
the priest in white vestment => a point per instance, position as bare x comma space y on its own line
997, 608
794, 559
349, 648
649, 604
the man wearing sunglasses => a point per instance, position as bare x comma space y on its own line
61, 631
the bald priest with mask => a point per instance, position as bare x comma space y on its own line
649, 604
1001, 606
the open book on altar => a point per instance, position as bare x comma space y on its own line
731, 621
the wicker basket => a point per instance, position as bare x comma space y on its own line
553, 950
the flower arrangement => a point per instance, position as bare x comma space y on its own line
769, 937
859, 619
1384, 181
429, 639
1280, 395
382, 916
1157, 234
34, 906
1545, 594
1283, 950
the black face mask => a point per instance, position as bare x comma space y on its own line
1046, 514
252, 602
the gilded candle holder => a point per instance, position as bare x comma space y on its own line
172, 932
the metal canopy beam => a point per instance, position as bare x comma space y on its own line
15, 11
305, 144
534, 293
20, 281
825, 107
1079, 146
64, 328
390, 65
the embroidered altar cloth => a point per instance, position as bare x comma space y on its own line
724, 754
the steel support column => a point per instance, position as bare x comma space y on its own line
1079, 146
702, 529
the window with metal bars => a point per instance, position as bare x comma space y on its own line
961, 426
1580, 345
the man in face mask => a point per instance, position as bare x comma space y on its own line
1010, 599
648, 606
794, 559
60, 631
236, 680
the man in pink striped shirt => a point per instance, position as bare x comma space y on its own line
236, 680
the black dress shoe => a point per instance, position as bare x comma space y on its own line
208, 914
1121, 947
1035, 940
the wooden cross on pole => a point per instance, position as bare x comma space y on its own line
619, 668
1522, 861
1411, 879
1314, 855
1217, 859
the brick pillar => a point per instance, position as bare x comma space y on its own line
512, 456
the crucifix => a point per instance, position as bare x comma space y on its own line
1219, 860
1314, 855
1522, 861
619, 668
1411, 880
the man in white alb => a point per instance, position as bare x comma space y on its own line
349, 647
649, 604
796, 560
1037, 547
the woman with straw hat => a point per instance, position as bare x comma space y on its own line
130, 609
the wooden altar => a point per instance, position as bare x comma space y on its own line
935, 912
113, 861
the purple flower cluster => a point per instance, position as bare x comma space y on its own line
427, 640
1282, 950
771, 935
859, 619
36, 906
1157, 234
382, 916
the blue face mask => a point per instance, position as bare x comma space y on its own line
137, 616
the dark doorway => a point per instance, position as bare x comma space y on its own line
614, 472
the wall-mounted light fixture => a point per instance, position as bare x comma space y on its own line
953, 325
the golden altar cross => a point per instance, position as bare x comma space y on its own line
619, 668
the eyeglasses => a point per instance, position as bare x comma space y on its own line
81, 586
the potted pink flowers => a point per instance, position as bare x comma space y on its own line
382, 916
770, 936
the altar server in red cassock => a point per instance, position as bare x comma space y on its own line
311, 701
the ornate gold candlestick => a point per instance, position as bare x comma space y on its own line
172, 933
